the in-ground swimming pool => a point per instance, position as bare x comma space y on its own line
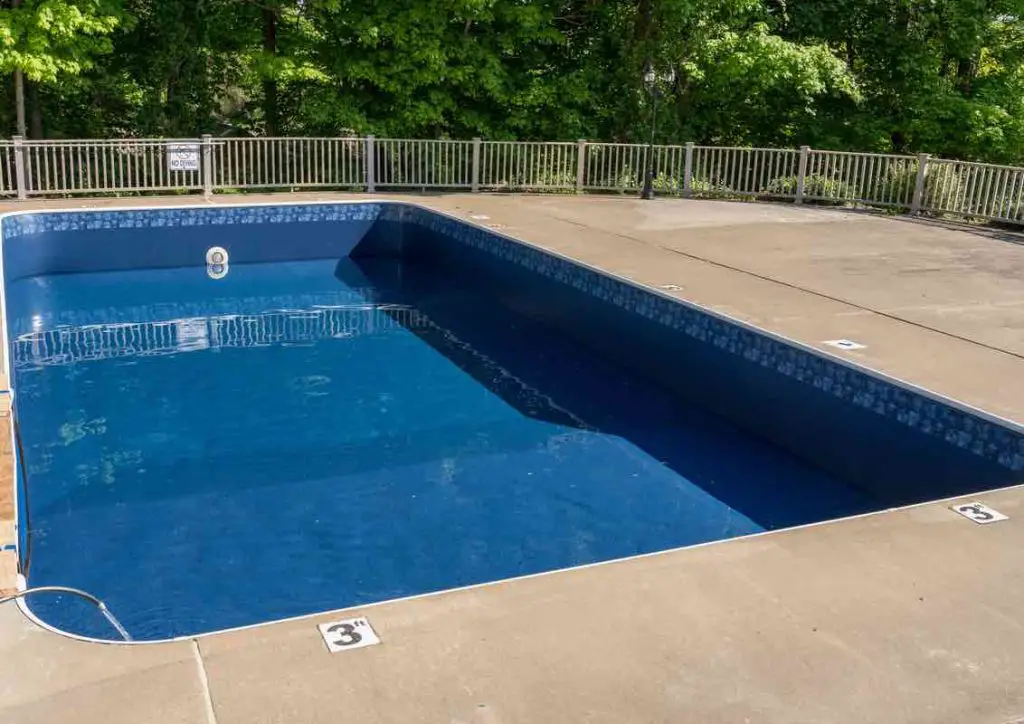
377, 401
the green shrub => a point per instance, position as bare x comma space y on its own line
817, 188
665, 184
554, 182
627, 179
1010, 213
828, 189
701, 186
673, 185
944, 187
782, 186
896, 185
551, 182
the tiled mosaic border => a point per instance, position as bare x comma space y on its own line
957, 427
89, 220
982, 437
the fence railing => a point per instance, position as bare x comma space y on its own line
241, 163
527, 165
746, 171
406, 163
91, 167
975, 189
911, 183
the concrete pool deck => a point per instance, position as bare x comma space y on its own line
905, 616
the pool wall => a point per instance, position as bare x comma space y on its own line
901, 443
79, 241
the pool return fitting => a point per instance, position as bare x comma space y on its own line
216, 262
216, 255
81, 594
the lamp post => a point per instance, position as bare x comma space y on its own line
651, 79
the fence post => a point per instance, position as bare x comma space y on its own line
477, 143
207, 165
922, 165
19, 166
801, 174
371, 165
581, 164
688, 171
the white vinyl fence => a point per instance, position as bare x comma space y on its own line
910, 183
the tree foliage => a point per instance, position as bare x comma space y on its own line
47, 39
943, 76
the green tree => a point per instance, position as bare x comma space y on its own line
46, 40
936, 75
944, 76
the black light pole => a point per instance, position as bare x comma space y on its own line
651, 83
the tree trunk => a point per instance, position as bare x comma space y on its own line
270, 84
19, 102
643, 22
35, 110
964, 75
172, 115
19, 91
899, 141
643, 34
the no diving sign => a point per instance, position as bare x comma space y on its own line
183, 157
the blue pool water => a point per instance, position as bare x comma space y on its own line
325, 428
401, 434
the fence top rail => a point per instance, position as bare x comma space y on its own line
254, 139
535, 143
105, 141
763, 149
893, 156
433, 140
955, 162
612, 144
